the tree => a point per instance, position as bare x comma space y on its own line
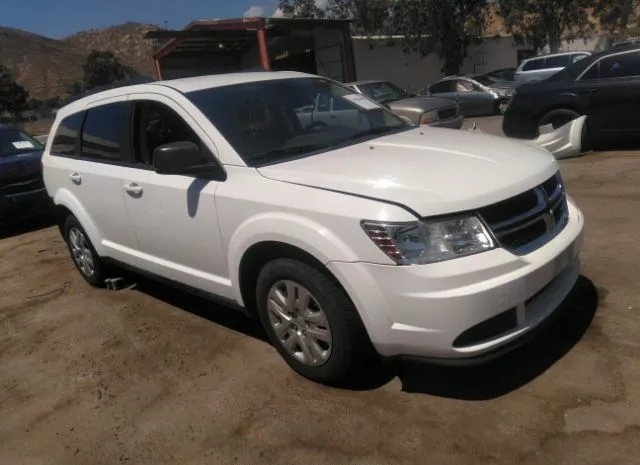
547, 22
305, 9
615, 15
369, 16
13, 97
102, 68
446, 27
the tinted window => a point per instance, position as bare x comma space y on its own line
619, 66
156, 124
576, 58
104, 132
64, 142
592, 73
559, 61
442, 87
533, 65
14, 142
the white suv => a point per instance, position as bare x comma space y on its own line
349, 238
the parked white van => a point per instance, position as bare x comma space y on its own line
349, 239
542, 67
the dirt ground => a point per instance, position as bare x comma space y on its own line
153, 376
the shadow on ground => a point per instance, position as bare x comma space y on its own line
26, 226
488, 381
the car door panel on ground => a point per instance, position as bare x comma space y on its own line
89, 149
612, 88
171, 213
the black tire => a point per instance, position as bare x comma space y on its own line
98, 276
351, 349
558, 117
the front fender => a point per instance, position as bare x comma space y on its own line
65, 198
293, 230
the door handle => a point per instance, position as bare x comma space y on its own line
75, 178
593, 90
133, 189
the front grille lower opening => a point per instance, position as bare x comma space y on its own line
488, 329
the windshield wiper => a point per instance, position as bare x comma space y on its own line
376, 131
276, 154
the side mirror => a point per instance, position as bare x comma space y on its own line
184, 158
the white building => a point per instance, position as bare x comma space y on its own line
382, 57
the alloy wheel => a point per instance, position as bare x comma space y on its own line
299, 323
81, 252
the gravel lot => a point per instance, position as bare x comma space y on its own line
151, 375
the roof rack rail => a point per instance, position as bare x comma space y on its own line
114, 85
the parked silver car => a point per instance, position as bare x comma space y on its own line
414, 109
542, 67
474, 98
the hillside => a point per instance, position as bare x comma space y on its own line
46, 67
126, 41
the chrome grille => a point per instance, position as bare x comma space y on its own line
529, 220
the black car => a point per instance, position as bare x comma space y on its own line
22, 191
604, 86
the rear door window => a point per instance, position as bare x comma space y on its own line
104, 133
559, 61
534, 64
442, 87
66, 137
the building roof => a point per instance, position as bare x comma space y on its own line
200, 35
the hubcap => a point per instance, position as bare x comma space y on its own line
299, 322
81, 252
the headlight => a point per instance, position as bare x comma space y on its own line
429, 117
430, 241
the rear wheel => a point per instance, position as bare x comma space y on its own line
312, 322
84, 256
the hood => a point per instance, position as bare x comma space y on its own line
420, 104
432, 171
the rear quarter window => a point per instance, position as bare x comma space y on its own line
66, 137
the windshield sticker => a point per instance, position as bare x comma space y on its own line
362, 102
23, 144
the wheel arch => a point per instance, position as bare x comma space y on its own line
261, 253
66, 204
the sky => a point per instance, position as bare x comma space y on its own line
60, 18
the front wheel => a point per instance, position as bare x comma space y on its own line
312, 322
557, 118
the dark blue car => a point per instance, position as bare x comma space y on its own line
22, 191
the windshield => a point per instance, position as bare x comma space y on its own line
382, 92
15, 142
271, 121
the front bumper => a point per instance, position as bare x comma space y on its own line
16, 207
451, 123
466, 308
